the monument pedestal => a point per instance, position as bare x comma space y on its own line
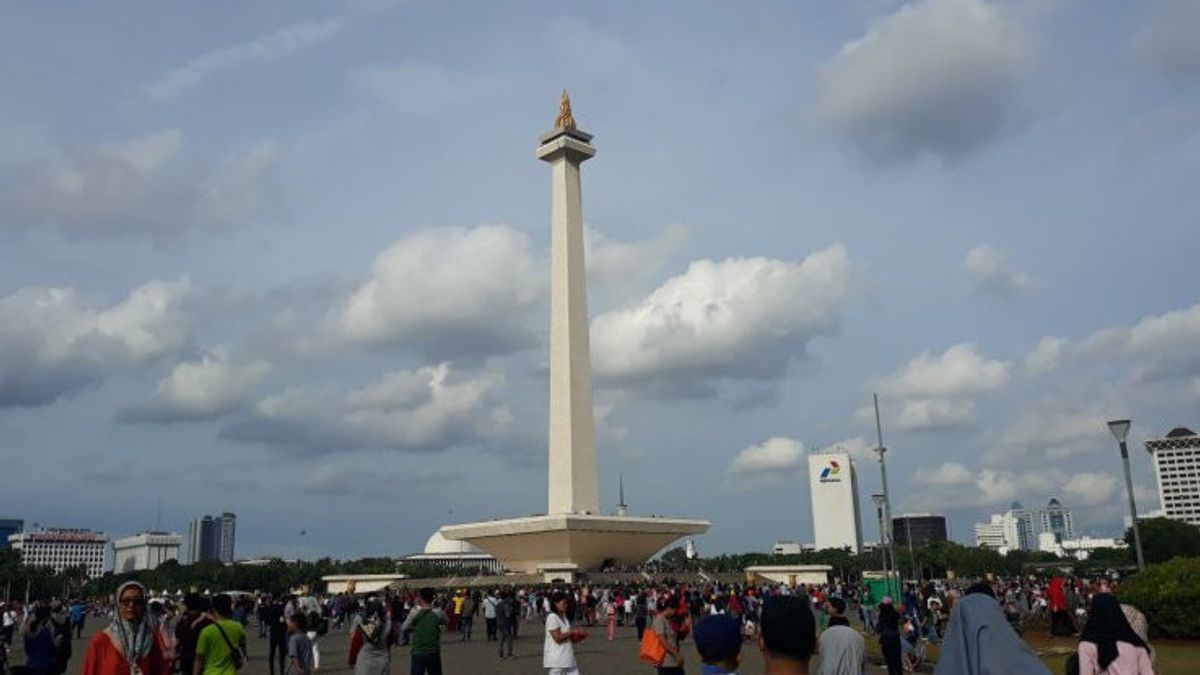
545, 543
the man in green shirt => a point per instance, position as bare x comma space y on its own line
425, 622
214, 655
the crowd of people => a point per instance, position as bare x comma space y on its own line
978, 626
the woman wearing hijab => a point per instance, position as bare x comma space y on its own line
980, 641
130, 644
888, 630
1109, 644
1056, 602
371, 641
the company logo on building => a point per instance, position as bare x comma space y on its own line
830, 473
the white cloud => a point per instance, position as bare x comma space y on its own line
948, 473
859, 449
992, 272
934, 414
1170, 40
938, 77
206, 388
1161, 346
146, 185
425, 410
264, 48
53, 343
1046, 356
1091, 488
446, 292
742, 318
415, 88
959, 371
1048, 431
932, 393
626, 264
775, 455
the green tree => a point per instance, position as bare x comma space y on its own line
1164, 539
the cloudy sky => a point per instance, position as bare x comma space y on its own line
290, 260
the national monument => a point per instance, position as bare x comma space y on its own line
573, 536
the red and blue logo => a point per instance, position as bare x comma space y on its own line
831, 471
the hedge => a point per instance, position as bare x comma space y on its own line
1168, 594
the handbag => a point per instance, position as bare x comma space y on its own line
653, 650
235, 654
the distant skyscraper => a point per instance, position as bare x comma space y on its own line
1177, 473
212, 538
834, 488
9, 526
226, 536
1056, 519
1026, 534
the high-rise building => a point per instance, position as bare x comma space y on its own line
61, 548
1026, 533
1010, 530
1057, 520
228, 527
9, 526
834, 488
1177, 473
212, 538
992, 534
145, 551
200, 539
922, 528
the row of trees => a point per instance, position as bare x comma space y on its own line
1162, 540
276, 577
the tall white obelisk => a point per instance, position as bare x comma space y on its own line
572, 421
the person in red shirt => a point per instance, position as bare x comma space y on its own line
130, 645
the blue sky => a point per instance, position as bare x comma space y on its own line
290, 260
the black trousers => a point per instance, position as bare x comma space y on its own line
278, 644
891, 654
491, 628
426, 664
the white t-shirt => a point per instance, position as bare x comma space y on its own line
10, 617
555, 654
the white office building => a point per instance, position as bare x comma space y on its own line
145, 551
1177, 473
1004, 532
834, 487
60, 548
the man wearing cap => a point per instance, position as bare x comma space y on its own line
719, 641
788, 635
843, 650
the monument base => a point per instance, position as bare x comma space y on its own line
585, 543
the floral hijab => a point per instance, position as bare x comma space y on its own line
134, 639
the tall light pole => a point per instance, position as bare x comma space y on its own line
880, 500
1120, 431
887, 502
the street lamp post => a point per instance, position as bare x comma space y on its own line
1120, 431
886, 539
880, 501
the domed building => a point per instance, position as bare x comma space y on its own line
444, 552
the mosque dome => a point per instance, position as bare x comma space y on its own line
439, 545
